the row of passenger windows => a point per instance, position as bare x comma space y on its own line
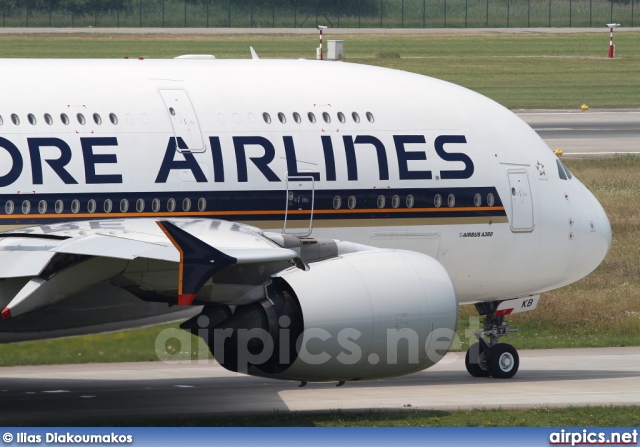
64, 119
140, 204
381, 202
97, 119
326, 117
107, 206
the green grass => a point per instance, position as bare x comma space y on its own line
520, 71
537, 417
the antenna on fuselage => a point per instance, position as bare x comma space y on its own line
254, 55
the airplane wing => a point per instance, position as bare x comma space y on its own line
49, 263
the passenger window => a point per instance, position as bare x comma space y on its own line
337, 202
113, 118
266, 117
356, 117
341, 117
326, 117
15, 119
32, 119
59, 207
381, 201
48, 119
155, 205
64, 118
124, 205
282, 118
451, 200
186, 204
410, 201
312, 117
81, 119
490, 199
75, 206
202, 204
296, 117
370, 117
437, 201
1, 121
42, 206
26, 207
91, 206
108, 206
97, 119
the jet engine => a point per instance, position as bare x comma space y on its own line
364, 315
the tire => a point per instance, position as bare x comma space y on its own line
478, 369
503, 361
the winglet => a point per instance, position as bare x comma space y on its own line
6, 313
198, 261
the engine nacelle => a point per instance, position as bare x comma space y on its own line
365, 315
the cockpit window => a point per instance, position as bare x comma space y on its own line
562, 171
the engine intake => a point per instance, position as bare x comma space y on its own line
364, 315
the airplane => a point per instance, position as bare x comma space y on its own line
313, 220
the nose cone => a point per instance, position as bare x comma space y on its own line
593, 232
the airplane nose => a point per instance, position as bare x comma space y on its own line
594, 232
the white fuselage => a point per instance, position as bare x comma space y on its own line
425, 165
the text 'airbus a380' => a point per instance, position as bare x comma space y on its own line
325, 219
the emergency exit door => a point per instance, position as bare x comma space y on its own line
183, 119
521, 202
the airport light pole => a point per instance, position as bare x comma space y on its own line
612, 47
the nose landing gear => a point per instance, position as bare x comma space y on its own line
498, 360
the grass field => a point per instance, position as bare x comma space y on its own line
538, 417
518, 70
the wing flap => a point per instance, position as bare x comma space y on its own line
116, 247
21, 257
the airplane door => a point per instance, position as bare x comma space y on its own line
298, 217
183, 119
521, 202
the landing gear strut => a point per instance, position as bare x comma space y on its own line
498, 360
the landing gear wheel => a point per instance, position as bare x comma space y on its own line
503, 361
478, 369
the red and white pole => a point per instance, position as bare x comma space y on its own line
610, 42
319, 51
612, 47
